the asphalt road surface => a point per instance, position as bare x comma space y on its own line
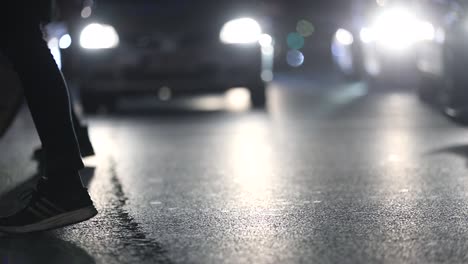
332, 173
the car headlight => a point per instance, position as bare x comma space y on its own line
99, 36
344, 37
241, 31
398, 28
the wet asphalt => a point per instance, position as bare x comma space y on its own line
332, 172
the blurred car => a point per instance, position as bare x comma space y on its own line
442, 62
381, 41
167, 48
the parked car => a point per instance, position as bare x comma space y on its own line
380, 40
167, 48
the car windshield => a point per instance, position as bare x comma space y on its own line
178, 8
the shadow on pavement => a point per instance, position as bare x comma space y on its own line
176, 113
38, 247
461, 150
41, 248
166, 112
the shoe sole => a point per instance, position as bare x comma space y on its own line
84, 154
58, 221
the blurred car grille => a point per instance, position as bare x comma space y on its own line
167, 41
137, 74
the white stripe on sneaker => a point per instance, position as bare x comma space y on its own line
49, 211
37, 213
51, 205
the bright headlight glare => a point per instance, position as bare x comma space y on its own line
398, 29
426, 31
241, 31
367, 35
344, 37
99, 36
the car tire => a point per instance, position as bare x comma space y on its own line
92, 103
451, 100
427, 91
258, 98
375, 82
453, 96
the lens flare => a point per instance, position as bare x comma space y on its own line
86, 12
65, 41
295, 58
305, 28
295, 41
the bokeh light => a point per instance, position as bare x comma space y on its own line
265, 40
305, 28
65, 41
86, 12
164, 93
344, 37
267, 75
295, 58
295, 41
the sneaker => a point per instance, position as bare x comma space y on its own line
48, 210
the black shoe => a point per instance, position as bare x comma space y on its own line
48, 209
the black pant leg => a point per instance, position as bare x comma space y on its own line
45, 91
